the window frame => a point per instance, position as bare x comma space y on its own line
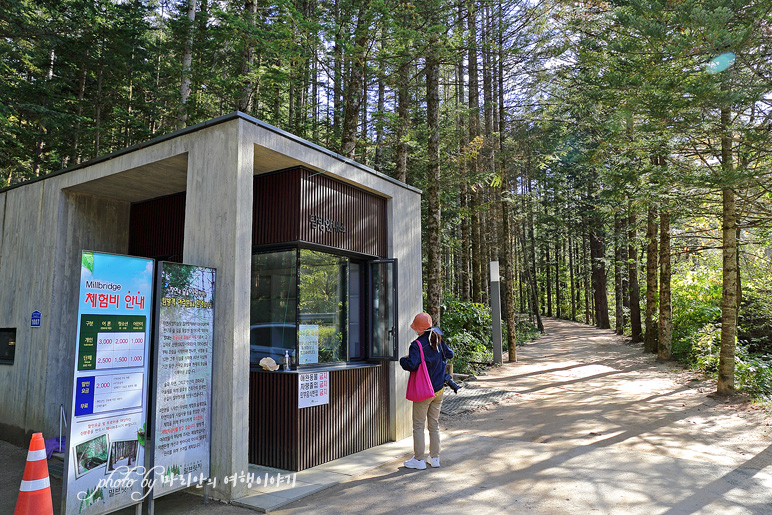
13, 332
365, 261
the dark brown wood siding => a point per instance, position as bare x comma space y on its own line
300, 205
157, 228
276, 207
285, 437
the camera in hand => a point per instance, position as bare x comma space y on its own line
450, 383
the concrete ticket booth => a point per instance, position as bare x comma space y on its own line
318, 261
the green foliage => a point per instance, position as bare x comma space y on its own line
471, 317
471, 354
467, 327
696, 311
754, 373
697, 331
755, 321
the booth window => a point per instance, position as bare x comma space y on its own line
7, 346
320, 308
273, 310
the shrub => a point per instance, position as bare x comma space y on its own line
471, 317
755, 320
753, 373
696, 311
697, 331
470, 353
467, 327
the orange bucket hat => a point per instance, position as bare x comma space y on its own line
421, 322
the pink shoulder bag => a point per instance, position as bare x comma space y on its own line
419, 386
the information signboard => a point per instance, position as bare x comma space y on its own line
104, 466
183, 377
313, 389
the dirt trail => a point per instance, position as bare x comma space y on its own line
594, 426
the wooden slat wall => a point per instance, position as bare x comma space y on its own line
273, 430
363, 215
276, 207
157, 228
285, 201
285, 437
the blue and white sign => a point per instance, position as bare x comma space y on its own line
34, 320
106, 444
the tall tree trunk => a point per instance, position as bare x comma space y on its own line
98, 106
379, 119
40, 143
632, 270
618, 294
187, 60
474, 132
505, 237
558, 312
403, 118
599, 282
625, 265
353, 92
652, 266
589, 312
729, 297
466, 257
433, 228
571, 275
664, 351
531, 280
244, 103
74, 154
548, 274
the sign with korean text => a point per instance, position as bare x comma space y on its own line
104, 468
183, 376
35, 318
313, 389
308, 344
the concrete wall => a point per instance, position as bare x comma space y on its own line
44, 230
218, 233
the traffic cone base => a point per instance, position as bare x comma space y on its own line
35, 490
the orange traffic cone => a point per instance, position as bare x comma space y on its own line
35, 491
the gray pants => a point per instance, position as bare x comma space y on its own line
431, 408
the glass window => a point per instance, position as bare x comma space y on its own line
322, 308
7, 345
273, 310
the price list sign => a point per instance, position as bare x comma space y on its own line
108, 416
111, 341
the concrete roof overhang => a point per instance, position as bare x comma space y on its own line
168, 175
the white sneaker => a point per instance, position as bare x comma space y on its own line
413, 463
435, 462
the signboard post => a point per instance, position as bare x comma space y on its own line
103, 465
498, 352
181, 420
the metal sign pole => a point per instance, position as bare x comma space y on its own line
498, 353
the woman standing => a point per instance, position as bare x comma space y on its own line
435, 353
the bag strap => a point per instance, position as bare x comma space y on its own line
421, 350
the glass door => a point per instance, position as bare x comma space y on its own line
383, 309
